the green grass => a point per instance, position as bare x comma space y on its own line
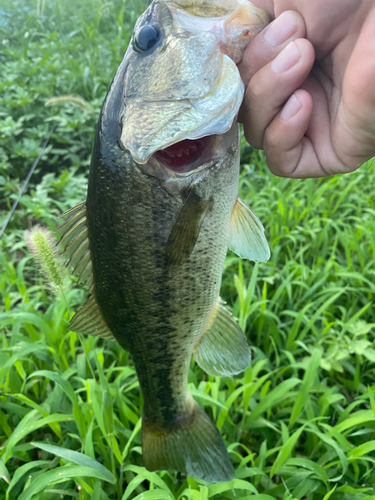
299, 423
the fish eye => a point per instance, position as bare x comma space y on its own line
146, 37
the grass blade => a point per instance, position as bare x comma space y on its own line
56, 476
77, 458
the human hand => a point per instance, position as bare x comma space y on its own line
312, 119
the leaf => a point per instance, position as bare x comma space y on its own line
25, 427
54, 426
69, 391
4, 474
20, 353
327, 496
154, 495
190, 494
21, 471
98, 493
143, 475
58, 379
245, 472
136, 429
249, 388
275, 397
307, 384
370, 354
196, 393
318, 313
285, 451
319, 471
357, 418
361, 450
234, 484
331, 442
76, 457
306, 485
262, 496
59, 475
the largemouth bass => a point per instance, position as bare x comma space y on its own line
162, 208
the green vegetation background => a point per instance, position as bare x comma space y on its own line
299, 423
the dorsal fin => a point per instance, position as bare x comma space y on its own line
74, 239
222, 350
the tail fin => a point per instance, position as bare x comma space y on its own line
193, 446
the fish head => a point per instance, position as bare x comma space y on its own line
181, 87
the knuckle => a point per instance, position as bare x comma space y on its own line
274, 166
255, 90
275, 155
272, 142
253, 113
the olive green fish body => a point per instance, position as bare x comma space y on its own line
162, 208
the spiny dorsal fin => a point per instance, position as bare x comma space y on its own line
222, 350
246, 234
185, 231
73, 232
89, 320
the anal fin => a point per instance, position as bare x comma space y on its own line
89, 320
246, 234
223, 349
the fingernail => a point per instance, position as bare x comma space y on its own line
290, 109
287, 58
281, 28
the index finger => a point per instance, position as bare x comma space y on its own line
269, 42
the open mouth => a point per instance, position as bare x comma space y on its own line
181, 154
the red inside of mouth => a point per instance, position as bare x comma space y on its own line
182, 153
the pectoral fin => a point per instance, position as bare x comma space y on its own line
185, 231
222, 349
246, 234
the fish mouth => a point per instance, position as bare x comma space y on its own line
190, 156
182, 156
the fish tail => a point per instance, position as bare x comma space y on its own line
192, 445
